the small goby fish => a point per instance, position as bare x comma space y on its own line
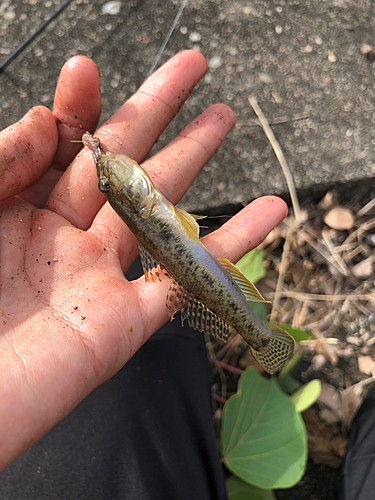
210, 292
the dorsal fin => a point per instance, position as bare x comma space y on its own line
198, 315
188, 222
249, 290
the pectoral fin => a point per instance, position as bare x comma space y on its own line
199, 317
147, 261
198, 217
188, 222
249, 290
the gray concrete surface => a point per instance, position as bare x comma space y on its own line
295, 56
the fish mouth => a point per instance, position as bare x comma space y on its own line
94, 145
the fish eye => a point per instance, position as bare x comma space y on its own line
104, 185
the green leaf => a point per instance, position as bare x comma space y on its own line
252, 265
263, 437
288, 384
239, 490
290, 364
259, 309
306, 395
296, 333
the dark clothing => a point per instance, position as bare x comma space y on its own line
145, 434
357, 481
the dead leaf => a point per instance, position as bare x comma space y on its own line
330, 401
277, 97
371, 303
366, 365
353, 340
368, 52
339, 218
329, 417
298, 272
324, 346
328, 200
364, 269
326, 443
365, 48
318, 343
272, 240
350, 404
318, 361
352, 399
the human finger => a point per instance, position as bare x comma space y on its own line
172, 170
76, 107
133, 130
247, 229
26, 151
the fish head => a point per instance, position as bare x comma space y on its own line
122, 180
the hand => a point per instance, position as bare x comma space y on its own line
38, 147
69, 319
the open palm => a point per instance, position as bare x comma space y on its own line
69, 318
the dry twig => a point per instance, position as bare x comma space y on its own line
316, 296
279, 154
275, 121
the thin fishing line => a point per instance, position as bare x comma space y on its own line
176, 19
32, 37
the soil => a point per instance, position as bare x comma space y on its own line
318, 483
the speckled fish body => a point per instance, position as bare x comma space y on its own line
210, 292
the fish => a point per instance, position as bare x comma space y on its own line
209, 292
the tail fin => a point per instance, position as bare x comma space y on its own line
277, 352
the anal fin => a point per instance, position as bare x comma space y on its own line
198, 316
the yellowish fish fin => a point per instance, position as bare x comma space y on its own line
198, 316
198, 217
188, 222
277, 351
147, 261
249, 290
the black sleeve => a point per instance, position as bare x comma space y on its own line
357, 481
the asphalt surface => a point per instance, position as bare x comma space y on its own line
293, 56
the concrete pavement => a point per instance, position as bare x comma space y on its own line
293, 56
